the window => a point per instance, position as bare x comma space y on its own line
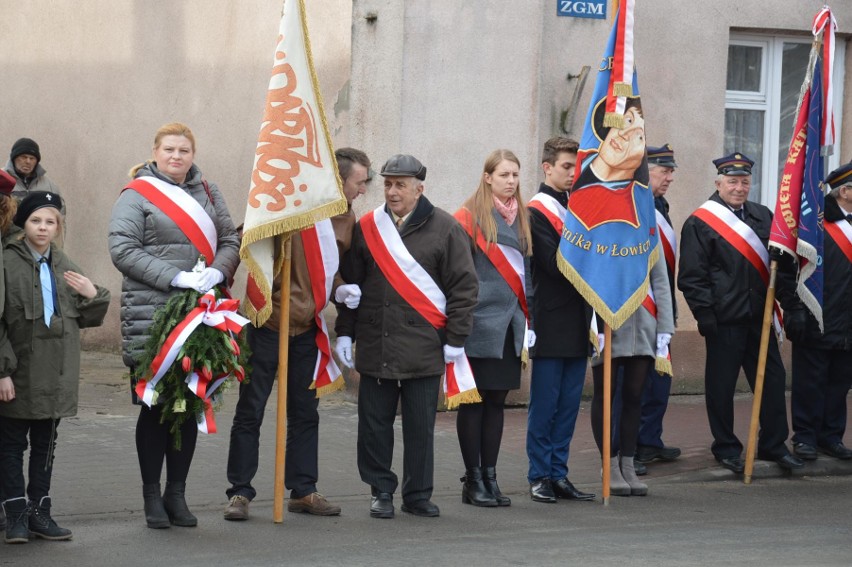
765, 75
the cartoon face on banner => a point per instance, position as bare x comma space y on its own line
610, 174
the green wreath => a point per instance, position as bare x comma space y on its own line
208, 351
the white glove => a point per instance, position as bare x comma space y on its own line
186, 280
601, 343
208, 278
663, 340
530, 338
453, 353
343, 349
349, 295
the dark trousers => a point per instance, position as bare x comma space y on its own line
555, 390
301, 468
377, 403
155, 443
13, 445
655, 401
732, 348
821, 381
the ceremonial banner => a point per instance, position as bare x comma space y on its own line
609, 241
295, 182
797, 227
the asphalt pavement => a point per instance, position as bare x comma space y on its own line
97, 490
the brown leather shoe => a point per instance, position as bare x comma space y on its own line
237, 508
314, 503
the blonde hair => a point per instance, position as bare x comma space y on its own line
170, 129
481, 204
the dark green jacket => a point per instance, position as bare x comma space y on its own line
44, 363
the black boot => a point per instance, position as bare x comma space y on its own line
155, 513
175, 503
474, 491
17, 513
489, 478
42, 525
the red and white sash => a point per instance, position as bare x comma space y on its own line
744, 240
552, 210
323, 260
841, 234
183, 210
509, 263
663, 359
668, 239
418, 289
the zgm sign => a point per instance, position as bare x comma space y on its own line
581, 8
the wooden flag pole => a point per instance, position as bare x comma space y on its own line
761, 371
281, 413
607, 412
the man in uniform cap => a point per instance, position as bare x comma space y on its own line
822, 361
401, 356
722, 269
25, 166
655, 399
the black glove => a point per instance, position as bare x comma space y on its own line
796, 324
706, 322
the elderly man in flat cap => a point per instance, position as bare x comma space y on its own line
410, 260
722, 274
822, 360
25, 166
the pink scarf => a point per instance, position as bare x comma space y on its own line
509, 212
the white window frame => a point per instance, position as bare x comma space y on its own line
768, 100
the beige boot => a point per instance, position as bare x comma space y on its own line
637, 487
617, 484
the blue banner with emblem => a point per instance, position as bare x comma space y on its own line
609, 242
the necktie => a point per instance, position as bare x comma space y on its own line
849, 217
46, 289
739, 213
399, 223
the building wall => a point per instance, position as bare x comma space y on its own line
92, 81
445, 80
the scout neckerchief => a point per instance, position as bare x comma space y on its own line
841, 234
418, 289
743, 239
323, 260
509, 263
183, 210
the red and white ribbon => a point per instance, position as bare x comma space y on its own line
668, 240
824, 21
621, 75
418, 289
323, 260
841, 233
552, 210
220, 314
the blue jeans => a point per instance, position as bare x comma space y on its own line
555, 390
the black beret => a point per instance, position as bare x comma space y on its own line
403, 165
34, 201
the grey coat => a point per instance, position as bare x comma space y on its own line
149, 249
638, 335
497, 306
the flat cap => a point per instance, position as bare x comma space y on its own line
404, 165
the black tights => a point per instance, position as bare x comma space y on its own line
635, 370
480, 429
154, 443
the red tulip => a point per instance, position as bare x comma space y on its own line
235, 347
186, 363
240, 373
206, 373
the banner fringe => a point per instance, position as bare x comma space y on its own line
664, 366
469, 397
613, 120
622, 89
335, 386
617, 319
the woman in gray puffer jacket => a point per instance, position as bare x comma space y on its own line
157, 258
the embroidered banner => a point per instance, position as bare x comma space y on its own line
295, 182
